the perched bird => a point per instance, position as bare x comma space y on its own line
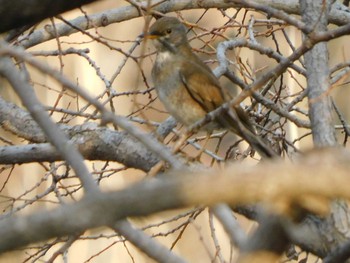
188, 88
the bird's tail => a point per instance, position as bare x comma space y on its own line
239, 123
258, 144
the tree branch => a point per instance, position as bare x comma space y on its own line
281, 186
338, 15
54, 135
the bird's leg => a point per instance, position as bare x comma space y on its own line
182, 138
156, 169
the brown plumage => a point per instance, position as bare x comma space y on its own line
188, 88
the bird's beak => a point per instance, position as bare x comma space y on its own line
150, 35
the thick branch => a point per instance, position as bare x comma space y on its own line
93, 142
279, 185
315, 13
339, 15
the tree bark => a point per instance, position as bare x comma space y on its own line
315, 14
332, 231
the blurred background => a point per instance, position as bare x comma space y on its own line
116, 69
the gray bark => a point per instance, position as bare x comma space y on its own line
334, 230
315, 14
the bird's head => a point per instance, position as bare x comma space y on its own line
168, 34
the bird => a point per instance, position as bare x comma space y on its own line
188, 88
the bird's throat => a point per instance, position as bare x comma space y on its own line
163, 57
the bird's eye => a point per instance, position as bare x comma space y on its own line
168, 31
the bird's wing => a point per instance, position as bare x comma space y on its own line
202, 85
206, 90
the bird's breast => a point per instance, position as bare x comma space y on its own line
171, 89
172, 93
164, 67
